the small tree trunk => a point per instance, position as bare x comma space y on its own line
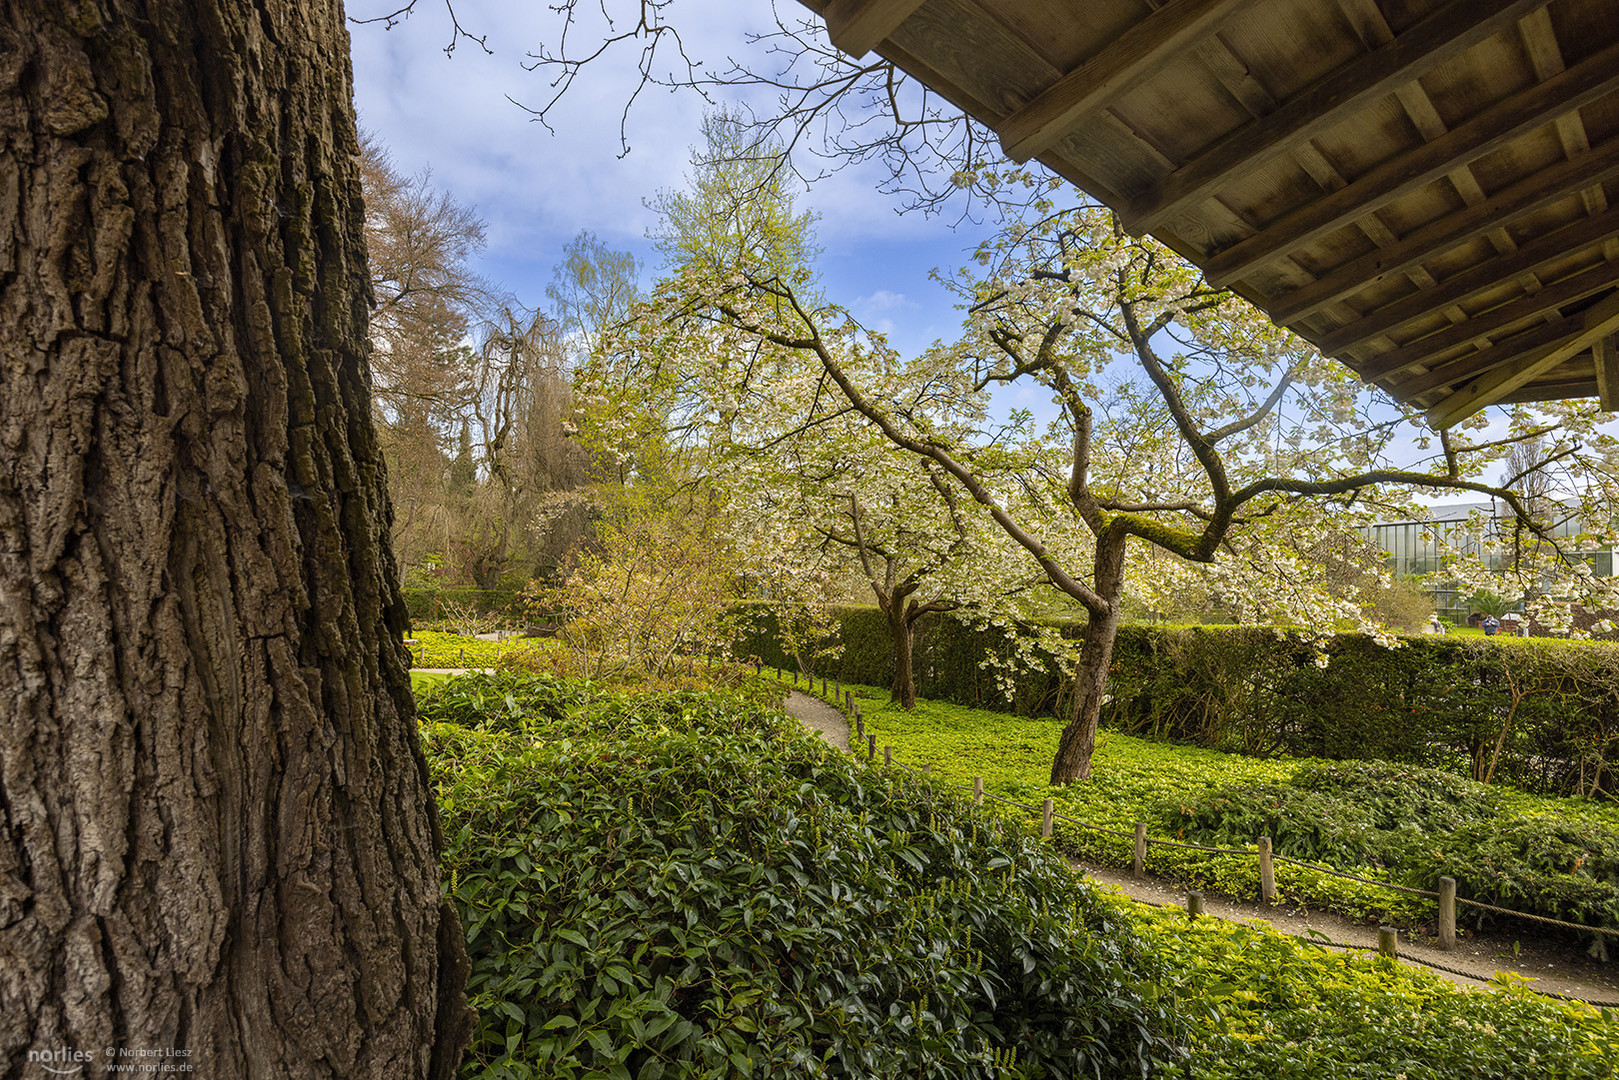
1078, 741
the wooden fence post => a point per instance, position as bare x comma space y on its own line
1048, 814
1194, 904
1267, 872
1388, 943
1447, 913
978, 791
927, 767
871, 748
888, 755
1139, 865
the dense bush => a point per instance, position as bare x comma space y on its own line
687, 885
1552, 707
1347, 814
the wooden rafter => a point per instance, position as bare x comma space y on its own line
1531, 257
1444, 33
1537, 339
1136, 54
1597, 323
1507, 205
1538, 304
1592, 78
859, 26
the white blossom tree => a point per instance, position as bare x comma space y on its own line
1237, 434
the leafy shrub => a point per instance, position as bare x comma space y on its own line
1419, 824
687, 885
1561, 867
1262, 1004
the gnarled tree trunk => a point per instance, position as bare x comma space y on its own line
216, 831
1078, 739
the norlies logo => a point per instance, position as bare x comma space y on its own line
61, 1061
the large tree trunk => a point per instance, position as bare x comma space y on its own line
216, 830
1078, 740
902, 637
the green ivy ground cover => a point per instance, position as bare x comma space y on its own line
436, 650
1516, 850
684, 884
1261, 1004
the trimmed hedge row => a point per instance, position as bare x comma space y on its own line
427, 604
1541, 713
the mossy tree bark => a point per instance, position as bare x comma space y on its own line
216, 830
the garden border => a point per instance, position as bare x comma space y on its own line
1446, 895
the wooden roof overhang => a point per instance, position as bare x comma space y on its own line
1427, 190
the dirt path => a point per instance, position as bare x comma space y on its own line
1555, 966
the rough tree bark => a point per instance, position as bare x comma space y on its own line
1078, 740
216, 830
902, 641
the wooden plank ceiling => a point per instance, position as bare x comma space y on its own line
1425, 189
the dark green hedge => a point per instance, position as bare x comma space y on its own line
1436, 701
429, 604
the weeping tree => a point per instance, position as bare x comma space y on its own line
218, 832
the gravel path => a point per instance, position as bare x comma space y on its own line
1555, 966
819, 717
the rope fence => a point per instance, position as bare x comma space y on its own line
1445, 895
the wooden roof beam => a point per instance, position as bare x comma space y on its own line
1560, 390
1536, 339
1592, 78
1528, 195
1606, 356
1531, 257
1133, 56
1545, 302
1439, 36
859, 26
1598, 323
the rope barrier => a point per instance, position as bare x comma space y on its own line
1430, 894
1537, 918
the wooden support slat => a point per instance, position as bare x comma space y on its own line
1592, 78
1586, 283
1584, 233
1442, 34
1538, 340
1599, 322
1606, 356
859, 26
1526, 196
1556, 390
1136, 54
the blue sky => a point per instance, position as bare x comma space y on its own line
536, 189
